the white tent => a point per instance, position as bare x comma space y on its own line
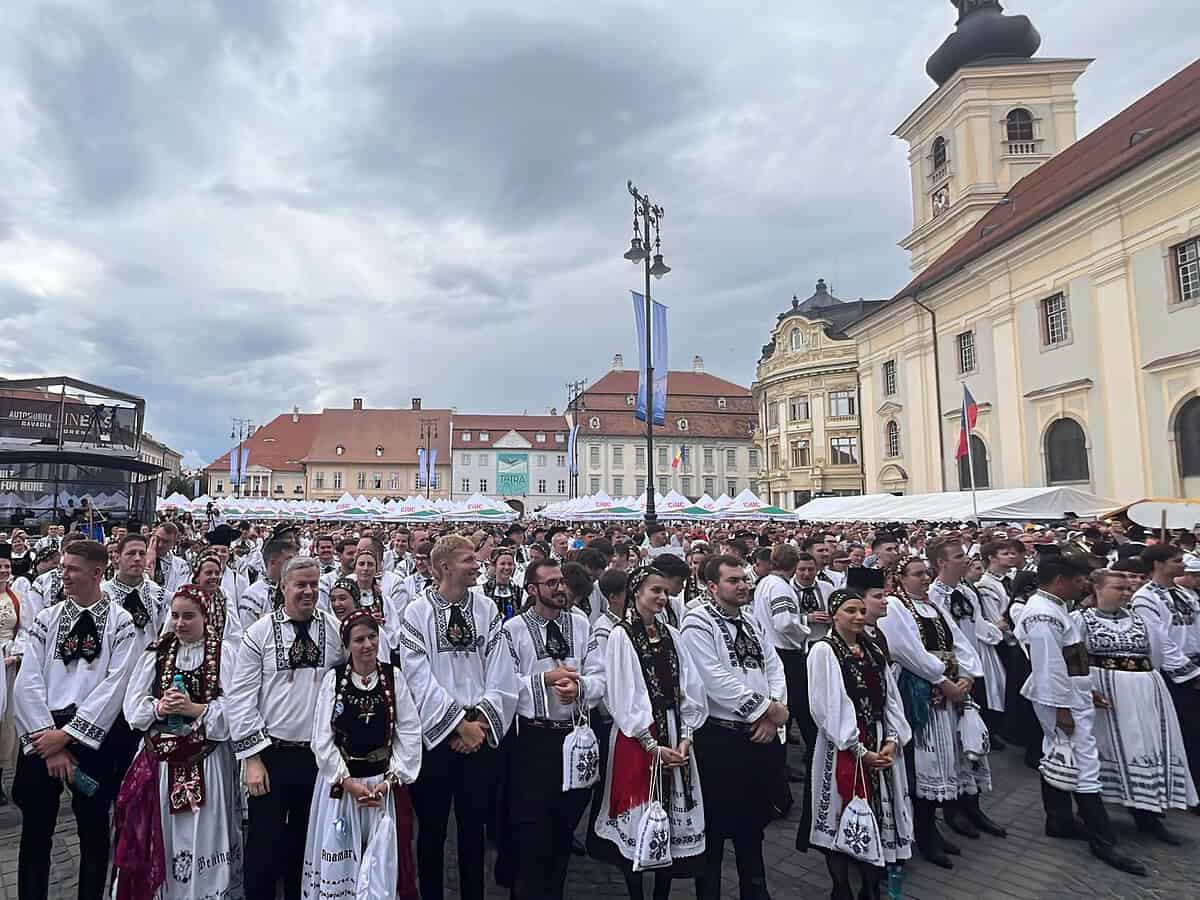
1005, 505
478, 508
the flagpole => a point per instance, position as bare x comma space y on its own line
970, 459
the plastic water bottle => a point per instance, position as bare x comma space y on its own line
895, 881
176, 723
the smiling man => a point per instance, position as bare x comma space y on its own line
283, 657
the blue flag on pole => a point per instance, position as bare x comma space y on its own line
572, 462
420, 468
433, 482
245, 463
658, 337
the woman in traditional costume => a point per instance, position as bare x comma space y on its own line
1143, 763
657, 699
222, 618
10, 655
184, 783
500, 586
367, 743
860, 719
344, 598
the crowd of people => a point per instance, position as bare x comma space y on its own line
235, 708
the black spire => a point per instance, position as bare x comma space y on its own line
982, 32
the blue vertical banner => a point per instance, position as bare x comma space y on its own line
658, 338
420, 468
433, 479
245, 463
234, 459
572, 462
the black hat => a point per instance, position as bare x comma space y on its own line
283, 529
1046, 550
515, 527
1130, 548
860, 578
840, 596
222, 536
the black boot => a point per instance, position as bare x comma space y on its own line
1101, 837
1060, 817
1153, 825
872, 878
955, 814
970, 805
929, 842
948, 845
838, 865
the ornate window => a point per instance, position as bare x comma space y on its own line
1187, 439
594, 423
1066, 453
841, 403
979, 456
891, 433
722, 403
1018, 125
965, 345
1056, 326
843, 450
798, 408
339, 449
683, 424
1186, 260
889, 378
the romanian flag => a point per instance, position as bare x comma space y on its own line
679, 455
970, 415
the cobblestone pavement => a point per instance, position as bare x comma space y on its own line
1025, 866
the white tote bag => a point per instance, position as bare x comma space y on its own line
653, 847
1058, 766
378, 872
858, 830
976, 742
581, 755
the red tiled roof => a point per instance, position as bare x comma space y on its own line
497, 426
690, 395
360, 431
1167, 115
279, 445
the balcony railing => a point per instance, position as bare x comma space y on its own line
1022, 148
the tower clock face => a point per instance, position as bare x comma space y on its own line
941, 200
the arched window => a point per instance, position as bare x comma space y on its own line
1187, 437
1066, 453
797, 338
979, 456
939, 153
892, 438
1019, 125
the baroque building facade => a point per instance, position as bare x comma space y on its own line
806, 392
1059, 282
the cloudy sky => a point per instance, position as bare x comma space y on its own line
232, 207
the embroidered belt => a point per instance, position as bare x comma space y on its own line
280, 744
374, 763
547, 724
730, 725
1122, 663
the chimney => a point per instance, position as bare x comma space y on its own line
358, 402
618, 363
295, 414
697, 363
416, 403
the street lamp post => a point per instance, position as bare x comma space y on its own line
242, 429
576, 406
429, 434
639, 252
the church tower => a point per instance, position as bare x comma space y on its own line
997, 114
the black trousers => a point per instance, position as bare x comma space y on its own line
739, 778
464, 779
37, 794
1187, 708
542, 816
795, 672
278, 824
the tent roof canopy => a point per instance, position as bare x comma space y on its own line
1011, 504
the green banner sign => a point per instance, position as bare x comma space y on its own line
512, 474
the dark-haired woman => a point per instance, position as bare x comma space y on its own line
367, 743
856, 705
185, 780
657, 699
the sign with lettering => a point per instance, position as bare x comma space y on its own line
512, 474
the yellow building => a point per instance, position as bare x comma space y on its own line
1059, 282
806, 392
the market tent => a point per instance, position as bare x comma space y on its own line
746, 506
478, 508
1003, 505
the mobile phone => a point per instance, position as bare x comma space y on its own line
83, 782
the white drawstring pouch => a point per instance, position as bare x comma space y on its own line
653, 847
581, 755
1058, 766
858, 830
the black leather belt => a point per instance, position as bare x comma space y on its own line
546, 724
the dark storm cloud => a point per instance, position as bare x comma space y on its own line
232, 207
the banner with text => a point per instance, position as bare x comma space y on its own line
512, 474
658, 337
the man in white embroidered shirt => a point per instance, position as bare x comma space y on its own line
561, 677
739, 747
465, 686
68, 696
282, 660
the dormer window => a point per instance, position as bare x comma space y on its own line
379, 450
466, 435
594, 423
630, 400
722, 403
683, 424
540, 437
339, 449
797, 338
485, 435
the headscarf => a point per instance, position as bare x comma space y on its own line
349, 585
639, 577
357, 617
194, 593
841, 596
207, 556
